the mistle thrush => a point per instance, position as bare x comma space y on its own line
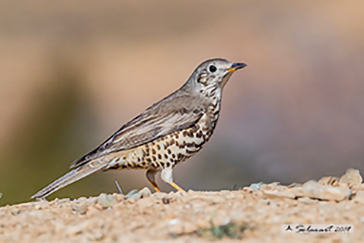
167, 133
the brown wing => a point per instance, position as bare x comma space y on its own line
175, 112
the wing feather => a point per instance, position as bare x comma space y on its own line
175, 112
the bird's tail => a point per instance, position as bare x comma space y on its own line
72, 176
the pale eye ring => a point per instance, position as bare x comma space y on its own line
212, 68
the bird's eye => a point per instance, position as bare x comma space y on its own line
212, 68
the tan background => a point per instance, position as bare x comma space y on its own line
72, 72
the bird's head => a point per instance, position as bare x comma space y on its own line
212, 75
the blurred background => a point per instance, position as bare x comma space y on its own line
73, 72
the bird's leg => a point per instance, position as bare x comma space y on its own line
176, 186
166, 176
151, 178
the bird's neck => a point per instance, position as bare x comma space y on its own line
214, 107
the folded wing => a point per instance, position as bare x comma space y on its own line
175, 112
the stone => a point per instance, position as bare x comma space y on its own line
145, 192
94, 236
82, 209
119, 197
313, 189
294, 184
352, 179
335, 193
131, 193
329, 180
106, 200
359, 197
307, 200
256, 186
297, 191
275, 193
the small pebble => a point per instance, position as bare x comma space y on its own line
276, 183
307, 200
173, 221
256, 186
145, 192
131, 193
352, 179
106, 200
273, 194
294, 185
82, 209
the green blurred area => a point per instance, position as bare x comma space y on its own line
50, 134
71, 73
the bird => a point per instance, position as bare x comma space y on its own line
165, 134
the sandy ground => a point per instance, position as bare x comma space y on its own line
251, 214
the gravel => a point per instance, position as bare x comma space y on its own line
251, 214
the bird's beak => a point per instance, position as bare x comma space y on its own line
235, 67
